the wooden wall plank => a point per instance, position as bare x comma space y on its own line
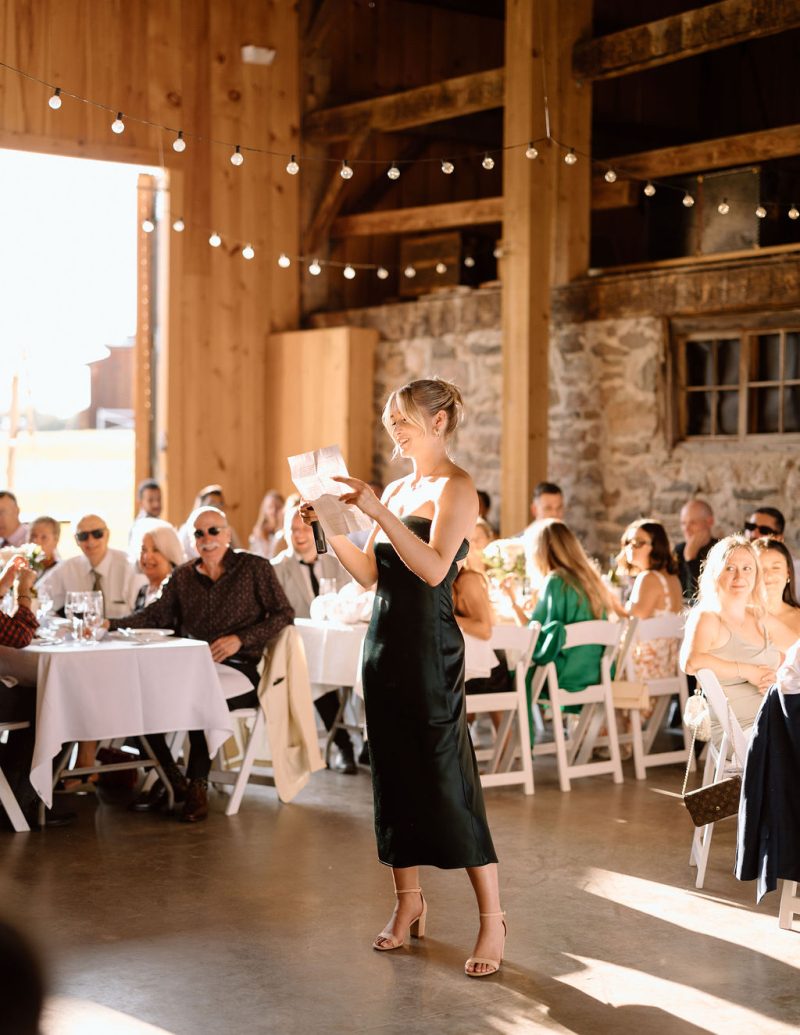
419, 217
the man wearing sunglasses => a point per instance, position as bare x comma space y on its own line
765, 523
99, 568
233, 600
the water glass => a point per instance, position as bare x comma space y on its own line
327, 586
74, 607
44, 603
93, 616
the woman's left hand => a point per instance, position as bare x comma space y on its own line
9, 573
225, 647
361, 496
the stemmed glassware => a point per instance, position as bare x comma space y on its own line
85, 609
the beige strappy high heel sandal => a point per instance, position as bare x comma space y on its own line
494, 964
416, 928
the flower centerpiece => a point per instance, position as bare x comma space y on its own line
505, 557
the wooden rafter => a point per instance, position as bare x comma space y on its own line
332, 200
447, 99
681, 36
320, 26
420, 218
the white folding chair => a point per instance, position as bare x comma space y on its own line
519, 643
665, 627
7, 799
790, 905
573, 756
717, 766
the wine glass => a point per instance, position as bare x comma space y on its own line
74, 607
93, 616
44, 603
327, 586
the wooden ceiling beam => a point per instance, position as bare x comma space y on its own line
447, 99
320, 26
420, 218
332, 200
681, 36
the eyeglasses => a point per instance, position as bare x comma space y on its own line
214, 530
95, 533
762, 529
637, 543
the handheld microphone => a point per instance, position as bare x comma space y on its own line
319, 537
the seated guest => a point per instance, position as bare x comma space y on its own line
764, 522
160, 552
656, 591
148, 497
570, 591
697, 525
267, 538
99, 568
299, 569
730, 632
547, 502
231, 599
776, 567
12, 531
17, 702
45, 533
208, 496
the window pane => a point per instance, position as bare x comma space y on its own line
762, 416
766, 363
699, 363
728, 362
791, 356
698, 411
728, 413
791, 409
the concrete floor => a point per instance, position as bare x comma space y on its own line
263, 922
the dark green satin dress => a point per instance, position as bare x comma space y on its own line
428, 800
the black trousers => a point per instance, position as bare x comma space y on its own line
198, 764
328, 706
18, 704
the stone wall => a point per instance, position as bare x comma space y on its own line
455, 335
609, 439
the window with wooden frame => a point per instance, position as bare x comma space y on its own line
736, 379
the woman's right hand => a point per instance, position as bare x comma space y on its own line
761, 676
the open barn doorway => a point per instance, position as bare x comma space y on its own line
78, 349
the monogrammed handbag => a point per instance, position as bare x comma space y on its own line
715, 800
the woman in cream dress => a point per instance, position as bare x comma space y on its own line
730, 631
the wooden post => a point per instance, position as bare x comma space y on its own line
545, 227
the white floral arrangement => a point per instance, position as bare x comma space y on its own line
505, 557
33, 554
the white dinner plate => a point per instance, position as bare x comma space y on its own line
152, 634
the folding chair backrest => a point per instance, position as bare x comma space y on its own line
664, 627
597, 633
518, 640
718, 703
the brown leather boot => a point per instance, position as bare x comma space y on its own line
196, 807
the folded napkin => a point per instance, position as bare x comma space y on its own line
350, 605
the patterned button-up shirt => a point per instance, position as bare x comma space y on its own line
246, 601
17, 630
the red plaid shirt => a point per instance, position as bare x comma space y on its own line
17, 630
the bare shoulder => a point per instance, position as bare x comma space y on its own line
705, 624
459, 485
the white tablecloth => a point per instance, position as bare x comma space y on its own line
117, 689
333, 654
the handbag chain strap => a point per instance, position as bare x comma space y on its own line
694, 738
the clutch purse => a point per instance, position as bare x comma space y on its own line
714, 801
629, 694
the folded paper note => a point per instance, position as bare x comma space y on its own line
313, 474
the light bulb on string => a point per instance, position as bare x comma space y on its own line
118, 126
292, 167
179, 226
688, 200
346, 171
314, 268
447, 166
469, 261
248, 252
382, 273
531, 152
393, 172
488, 162
441, 268
570, 158
55, 100
349, 273
237, 157
498, 252
723, 208
793, 212
215, 240
409, 272
610, 176
284, 261
148, 226
761, 212
649, 189
179, 144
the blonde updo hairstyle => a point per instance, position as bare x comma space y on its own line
425, 398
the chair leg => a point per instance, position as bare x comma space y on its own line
525, 741
246, 766
11, 805
560, 740
613, 738
790, 905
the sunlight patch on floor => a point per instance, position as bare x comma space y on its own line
63, 1016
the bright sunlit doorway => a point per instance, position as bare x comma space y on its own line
76, 277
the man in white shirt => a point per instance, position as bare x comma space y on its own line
299, 570
100, 568
12, 532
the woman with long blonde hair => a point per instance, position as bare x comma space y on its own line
730, 631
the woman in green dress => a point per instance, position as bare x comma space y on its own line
428, 801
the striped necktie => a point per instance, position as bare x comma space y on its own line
97, 584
